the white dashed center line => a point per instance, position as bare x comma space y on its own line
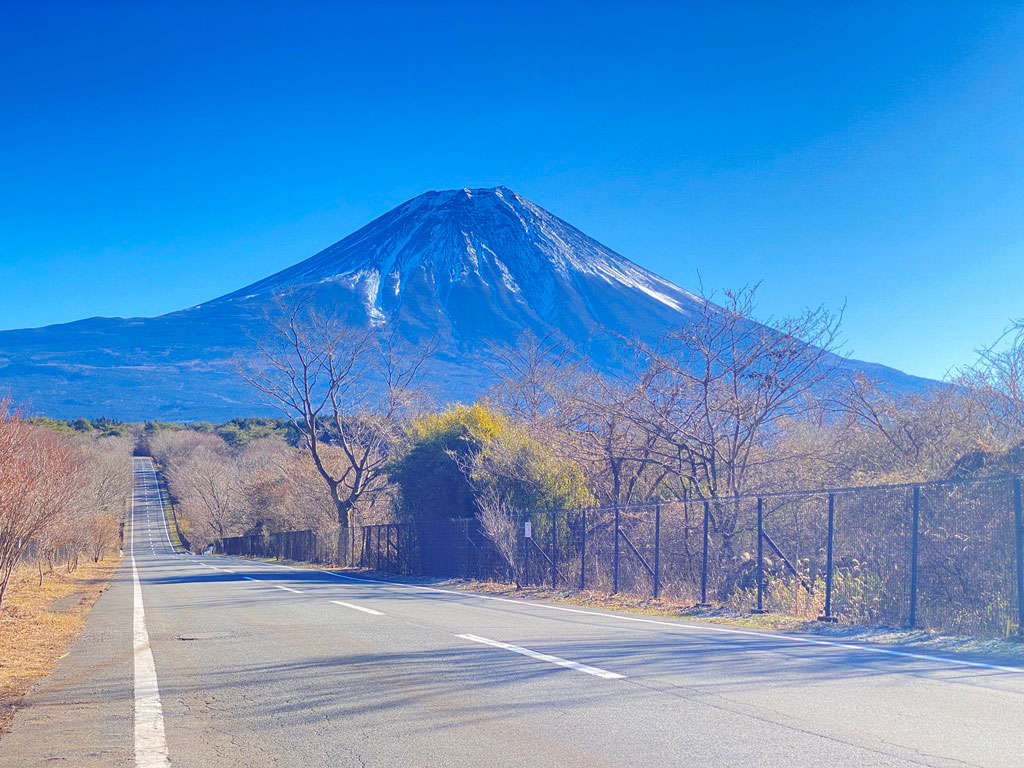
358, 608
603, 673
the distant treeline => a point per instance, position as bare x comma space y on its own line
235, 432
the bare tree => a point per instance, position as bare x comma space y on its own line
996, 383
207, 484
39, 474
880, 437
104, 492
281, 489
220, 490
544, 385
627, 462
534, 376
714, 389
346, 390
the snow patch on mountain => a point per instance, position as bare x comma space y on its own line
483, 258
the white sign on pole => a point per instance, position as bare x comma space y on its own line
528, 529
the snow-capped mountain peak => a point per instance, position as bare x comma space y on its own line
460, 267
492, 243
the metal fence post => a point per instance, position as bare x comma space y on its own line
916, 525
704, 559
615, 554
657, 550
760, 556
554, 549
828, 560
583, 549
1018, 520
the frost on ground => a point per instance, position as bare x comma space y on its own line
919, 639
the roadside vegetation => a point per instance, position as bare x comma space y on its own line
719, 409
64, 494
39, 620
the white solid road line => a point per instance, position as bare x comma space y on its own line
150, 742
603, 673
358, 608
163, 509
793, 639
286, 589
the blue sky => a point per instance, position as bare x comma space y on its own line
158, 155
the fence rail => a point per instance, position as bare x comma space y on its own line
946, 556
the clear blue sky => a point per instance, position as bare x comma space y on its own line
158, 155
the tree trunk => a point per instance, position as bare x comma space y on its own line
341, 553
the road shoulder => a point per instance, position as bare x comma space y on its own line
81, 713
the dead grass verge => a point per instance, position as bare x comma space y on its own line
38, 622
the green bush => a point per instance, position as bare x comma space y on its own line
465, 453
433, 475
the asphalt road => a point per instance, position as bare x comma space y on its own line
264, 665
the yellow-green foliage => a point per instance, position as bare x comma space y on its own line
473, 423
528, 474
433, 474
460, 453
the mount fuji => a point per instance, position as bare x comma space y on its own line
466, 267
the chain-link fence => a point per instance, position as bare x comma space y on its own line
946, 556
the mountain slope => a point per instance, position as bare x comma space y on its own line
467, 263
465, 266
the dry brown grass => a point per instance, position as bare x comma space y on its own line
38, 622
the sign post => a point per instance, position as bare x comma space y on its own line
528, 533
